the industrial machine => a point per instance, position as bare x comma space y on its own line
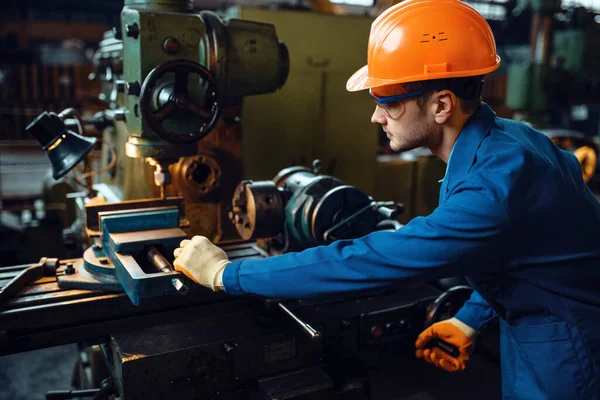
300, 208
173, 80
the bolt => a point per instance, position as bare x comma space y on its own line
180, 286
117, 32
171, 45
133, 31
69, 270
120, 115
181, 102
120, 86
133, 88
228, 347
162, 177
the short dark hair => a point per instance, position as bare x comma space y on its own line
468, 90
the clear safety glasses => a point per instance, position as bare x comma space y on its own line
393, 106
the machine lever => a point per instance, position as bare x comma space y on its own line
46, 267
448, 348
161, 264
106, 390
70, 394
314, 334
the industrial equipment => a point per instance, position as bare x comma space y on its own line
173, 80
161, 344
300, 208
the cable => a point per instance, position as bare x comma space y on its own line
111, 164
71, 112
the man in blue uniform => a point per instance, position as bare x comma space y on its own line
515, 216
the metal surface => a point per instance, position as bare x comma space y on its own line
46, 267
163, 5
162, 265
343, 213
232, 52
244, 57
257, 210
198, 176
179, 103
301, 209
208, 354
44, 315
92, 211
128, 241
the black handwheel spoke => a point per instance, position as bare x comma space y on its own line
162, 112
199, 111
178, 96
181, 80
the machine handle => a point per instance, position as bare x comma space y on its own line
106, 390
46, 267
314, 334
70, 394
161, 264
448, 348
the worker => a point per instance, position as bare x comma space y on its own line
514, 216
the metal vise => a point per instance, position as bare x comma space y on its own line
126, 255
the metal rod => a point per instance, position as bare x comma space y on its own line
158, 260
19, 282
161, 264
314, 334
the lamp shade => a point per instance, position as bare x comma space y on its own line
64, 148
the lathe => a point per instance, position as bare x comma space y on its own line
174, 81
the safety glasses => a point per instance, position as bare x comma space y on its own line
393, 106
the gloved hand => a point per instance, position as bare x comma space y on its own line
454, 332
202, 262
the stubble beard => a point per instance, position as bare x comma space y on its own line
417, 135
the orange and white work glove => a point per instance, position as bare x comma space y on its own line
202, 262
452, 331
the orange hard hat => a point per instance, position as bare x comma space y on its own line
419, 40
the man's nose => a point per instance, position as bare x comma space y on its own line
378, 117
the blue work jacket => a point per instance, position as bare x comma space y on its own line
516, 218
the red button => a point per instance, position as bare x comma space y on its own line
376, 331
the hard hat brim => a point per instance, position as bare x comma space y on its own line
360, 80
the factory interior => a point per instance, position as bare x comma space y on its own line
128, 126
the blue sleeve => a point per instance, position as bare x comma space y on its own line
476, 312
466, 234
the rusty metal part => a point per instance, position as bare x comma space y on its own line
58, 316
46, 267
258, 210
199, 175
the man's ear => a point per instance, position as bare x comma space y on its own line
446, 104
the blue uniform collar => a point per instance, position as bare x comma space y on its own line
468, 141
